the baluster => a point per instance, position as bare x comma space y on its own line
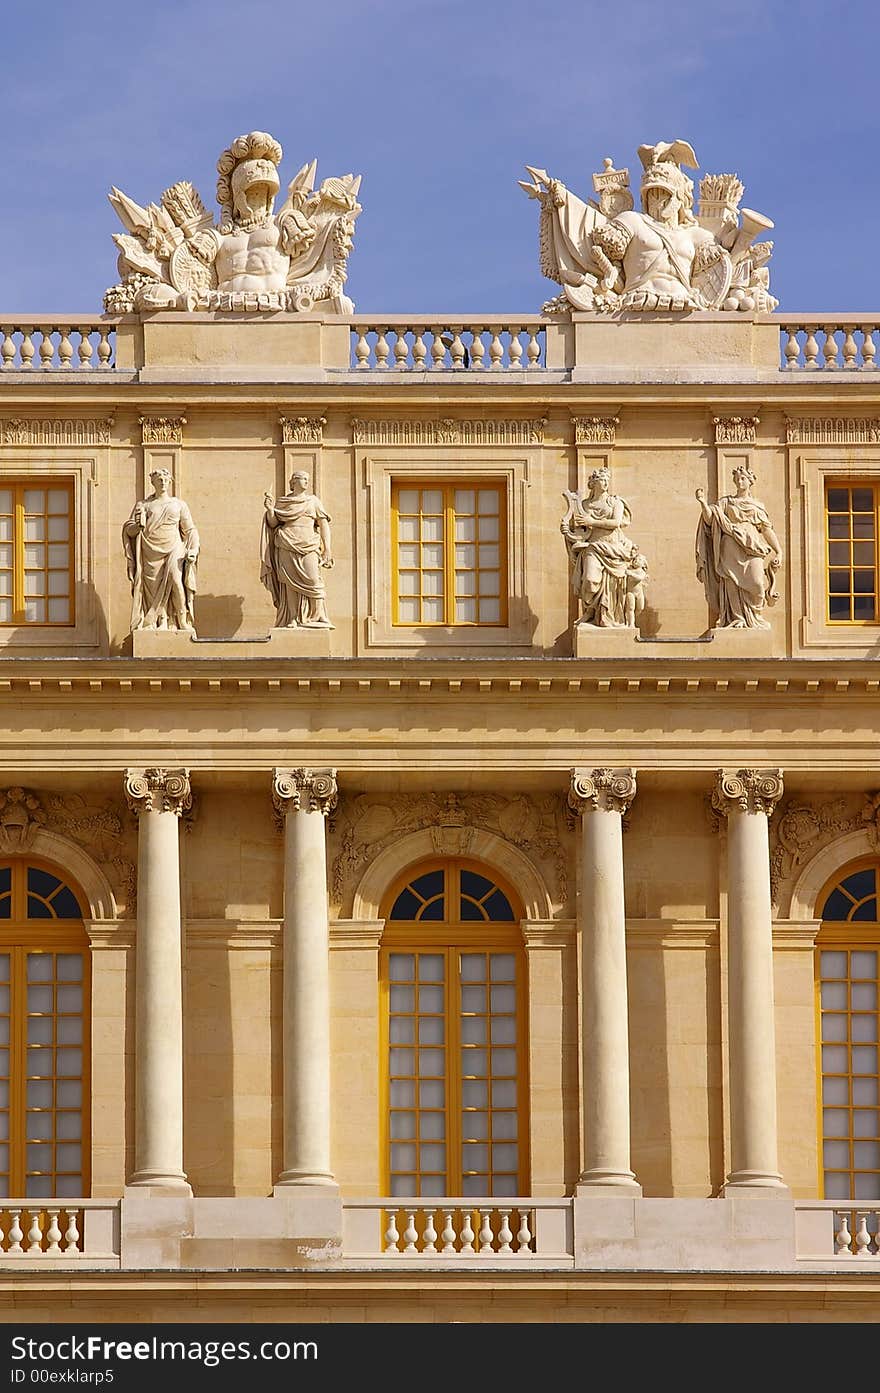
85, 348
65, 349
419, 352
383, 350
504, 1233
829, 349
429, 1245
35, 1233
478, 349
467, 1233
448, 1234
71, 1233
868, 347
811, 347
391, 1234
438, 350
7, 348
533, 349
792, 350
401, 351
843, 1237
496, 353
15, 1233
863, 1238
515, 349
47, 348
362, 350
53, 1233
410, 1235
456, 348
26, 350
105, 348
524, 1233
485, 1231
850, 351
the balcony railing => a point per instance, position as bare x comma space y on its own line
62, 343
459, 1231
828, 343
78, 1232
827, 1229
410, 344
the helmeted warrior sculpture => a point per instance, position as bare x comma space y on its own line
609, 258
173, 257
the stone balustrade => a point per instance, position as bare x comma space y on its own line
491, 344
59, 343
459, 1230
84, 1232
827, 1229
829, 343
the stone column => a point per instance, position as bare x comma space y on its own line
158, 797
303, 800
600, 797
747, 797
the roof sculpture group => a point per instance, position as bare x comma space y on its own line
606, 256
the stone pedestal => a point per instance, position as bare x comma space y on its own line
278, 643
600, 797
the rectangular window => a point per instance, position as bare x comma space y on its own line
848, 1001
450, 556
36, 553
851, 549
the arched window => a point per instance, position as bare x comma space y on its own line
454, 1086
847, 963
44, 987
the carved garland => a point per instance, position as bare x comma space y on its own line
302, 430
98, 829
803, 829
736, 430
162, 430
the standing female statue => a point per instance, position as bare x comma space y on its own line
738, 555
161, 550
601, 555
295, 547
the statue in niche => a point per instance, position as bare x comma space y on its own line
738, 555
609, 258
609, 572
173, 257
161, 550
295, 548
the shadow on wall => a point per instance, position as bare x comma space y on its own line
219, 616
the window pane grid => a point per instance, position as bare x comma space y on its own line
449, 555
851, 553
36, 555
850, 1073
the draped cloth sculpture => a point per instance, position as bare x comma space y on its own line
295, 548
171, 256
738, 555
161, 547
610, 258
609, 572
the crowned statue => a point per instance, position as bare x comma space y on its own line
610, 258
172, 256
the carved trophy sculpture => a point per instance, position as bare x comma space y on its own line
738, 556
609, 572
161, 550
609, 258
173, 257
294, 549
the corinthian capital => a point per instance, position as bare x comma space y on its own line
304, 790
746, 791
158, 791
604, 790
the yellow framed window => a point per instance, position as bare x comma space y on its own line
36, 552
449, 553
454, 1087
851, 547
44, 1014
848, 978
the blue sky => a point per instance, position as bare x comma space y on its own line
439, 104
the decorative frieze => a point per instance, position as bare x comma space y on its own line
746, 791
595, 430
603, 790
736, 430
833, 430
162, 430
158, 791
304, 790
68, 430
448, 431
367, 826
302, 430
802, 829
97, 827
